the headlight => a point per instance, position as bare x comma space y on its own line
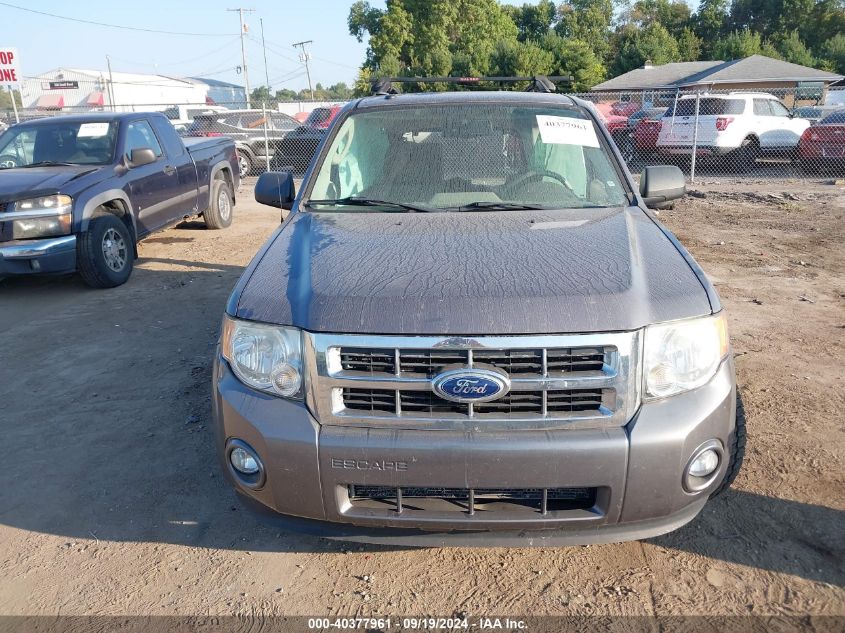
264, 357
46, 216
683, 355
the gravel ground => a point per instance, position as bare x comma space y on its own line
112, 500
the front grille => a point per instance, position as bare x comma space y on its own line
556, 381
430, 362
471, 500
514, 403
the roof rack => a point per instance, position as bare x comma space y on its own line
538, 83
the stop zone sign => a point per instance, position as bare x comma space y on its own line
10, 73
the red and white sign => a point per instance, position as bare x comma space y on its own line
10, 72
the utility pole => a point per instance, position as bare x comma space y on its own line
264, 46
111, 84
304, 57
243, 49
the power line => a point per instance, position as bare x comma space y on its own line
111, 26
180, 62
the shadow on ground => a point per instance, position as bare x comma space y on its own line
106, 427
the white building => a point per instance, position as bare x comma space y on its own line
79, 90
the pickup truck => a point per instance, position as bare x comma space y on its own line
78, 192
471, 329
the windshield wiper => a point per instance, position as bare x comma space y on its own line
500, 206
355, 201
50, 163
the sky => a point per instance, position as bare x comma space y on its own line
45, 43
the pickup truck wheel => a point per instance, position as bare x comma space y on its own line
736, 449
219, 214
244, 163
104, 253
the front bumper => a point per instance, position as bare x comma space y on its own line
50, 255
637, 470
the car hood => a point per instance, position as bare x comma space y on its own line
471, 273
30, 182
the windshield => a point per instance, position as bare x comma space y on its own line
707, 106
58, 142
467, 157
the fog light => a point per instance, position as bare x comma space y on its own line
704, 464
243, 461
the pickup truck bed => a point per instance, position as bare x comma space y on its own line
78, 192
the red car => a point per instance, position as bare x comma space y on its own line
647, 130
822, 146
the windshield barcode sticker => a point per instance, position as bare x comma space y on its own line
93, 130
561, 130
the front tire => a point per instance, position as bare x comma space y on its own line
219, 213
246, 163
105, 252
736, 450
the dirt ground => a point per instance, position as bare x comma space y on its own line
112, 503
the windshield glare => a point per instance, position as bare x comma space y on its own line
79, 143
448, 157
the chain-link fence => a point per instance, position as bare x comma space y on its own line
766, 134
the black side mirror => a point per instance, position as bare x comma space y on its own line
276, 189
141, 156
661, 184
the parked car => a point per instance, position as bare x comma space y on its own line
625, 137
822, 146
739, 127
295, 151
181, 116
78, 192
647, 131
247, 129
448, 343
814, 114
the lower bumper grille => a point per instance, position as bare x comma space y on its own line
472, 500
514, 403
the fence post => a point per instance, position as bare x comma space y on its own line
14, 104
694, 140
266, 140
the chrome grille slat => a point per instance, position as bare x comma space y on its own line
556, 381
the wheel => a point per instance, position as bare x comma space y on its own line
245, 163
736, 449
745, 156
104, 253
219, 213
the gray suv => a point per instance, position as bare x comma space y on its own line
471, 330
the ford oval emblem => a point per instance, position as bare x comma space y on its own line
471, 385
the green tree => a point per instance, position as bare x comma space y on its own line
635, 46
426, 37
589, 21
6, 101
739, 44
672, 14
576, 58
833, 51
533, 21
792, 49
514, 58
260, 95
710, 22
689, 45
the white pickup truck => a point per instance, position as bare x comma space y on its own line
738, 126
